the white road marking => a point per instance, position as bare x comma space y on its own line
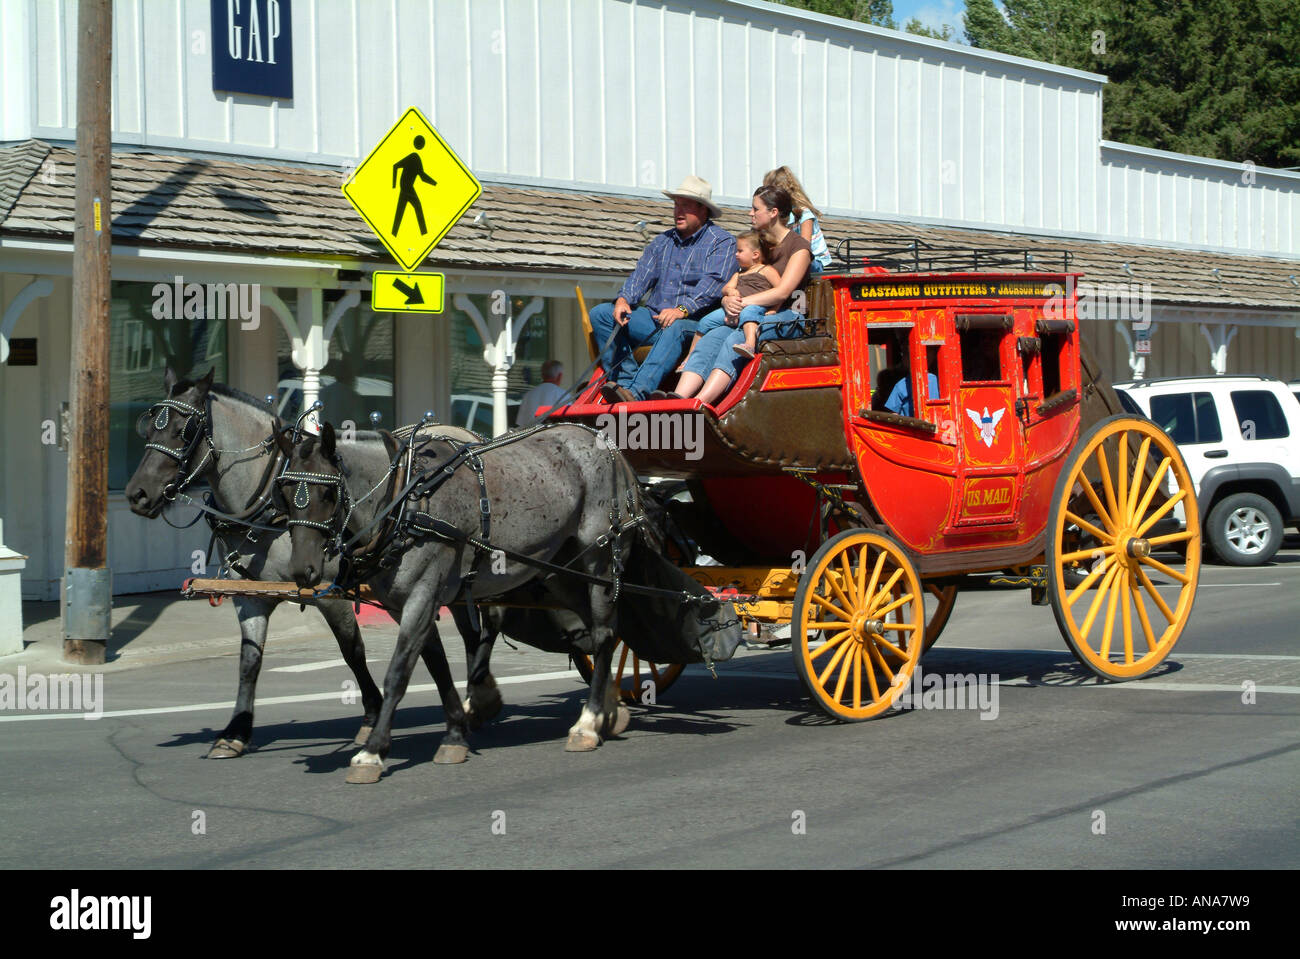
1175, 656
1201, 586
272, 700
1137, 684
312, 667
691, 670
1179, 687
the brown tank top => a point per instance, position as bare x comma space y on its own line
747, 284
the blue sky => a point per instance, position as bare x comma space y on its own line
933, 13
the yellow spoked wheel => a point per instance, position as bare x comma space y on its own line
1116, 505
859, 625
633, 673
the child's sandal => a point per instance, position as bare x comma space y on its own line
743, 350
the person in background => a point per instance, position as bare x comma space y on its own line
544, 394
680, 274
803, 216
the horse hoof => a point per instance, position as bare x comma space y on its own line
363, 734
621, 721
450, 754
226, 749
364, 774
581, 742
482, 704
490, 706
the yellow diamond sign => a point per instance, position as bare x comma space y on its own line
411, 189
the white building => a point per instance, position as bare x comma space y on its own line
574, 114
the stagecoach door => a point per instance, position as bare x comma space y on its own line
990, 443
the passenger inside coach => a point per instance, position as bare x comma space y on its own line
893, 392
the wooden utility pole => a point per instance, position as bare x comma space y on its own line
87, 584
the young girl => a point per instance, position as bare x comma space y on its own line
754, 277
803, 217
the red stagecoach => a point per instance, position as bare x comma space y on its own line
857, 525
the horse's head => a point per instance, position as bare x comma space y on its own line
176, 433
315, 496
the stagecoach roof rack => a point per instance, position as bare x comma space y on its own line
917, 256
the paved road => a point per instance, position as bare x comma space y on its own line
1177, 768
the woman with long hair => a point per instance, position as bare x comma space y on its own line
715, 362
803, 215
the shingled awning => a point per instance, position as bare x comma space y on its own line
190, 203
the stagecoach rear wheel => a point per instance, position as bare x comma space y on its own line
938, 607
1128, 609
859, 624
632, 673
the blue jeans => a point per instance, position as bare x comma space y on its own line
714, 351
641, 329
712, 321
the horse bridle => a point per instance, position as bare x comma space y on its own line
202, 431
334, 528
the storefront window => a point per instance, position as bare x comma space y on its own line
358, 378
471, 378
147, 335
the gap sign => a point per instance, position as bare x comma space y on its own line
252, 47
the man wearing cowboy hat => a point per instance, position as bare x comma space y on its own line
680, 274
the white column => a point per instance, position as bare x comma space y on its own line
309, 345
11, 598
1218, 337
1137, 362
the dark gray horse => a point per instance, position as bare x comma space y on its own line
206, 432
562, 495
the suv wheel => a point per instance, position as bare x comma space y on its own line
1245, 529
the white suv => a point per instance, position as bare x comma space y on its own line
1240, 436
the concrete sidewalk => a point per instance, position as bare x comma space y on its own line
153, 628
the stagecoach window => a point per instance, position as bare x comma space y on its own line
980, 350
1052, 345
889, 359
147, 334
932, 367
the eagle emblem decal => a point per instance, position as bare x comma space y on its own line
987, 424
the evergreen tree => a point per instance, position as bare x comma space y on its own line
1215, 78
946, 32
879, 13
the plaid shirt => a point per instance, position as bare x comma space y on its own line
676, 272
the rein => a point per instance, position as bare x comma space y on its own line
420, 523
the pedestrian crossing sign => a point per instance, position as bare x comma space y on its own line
411, 189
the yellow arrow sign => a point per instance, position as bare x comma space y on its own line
406, 292
411, 189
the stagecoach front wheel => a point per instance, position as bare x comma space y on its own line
859, 625
1118, 500
639, 680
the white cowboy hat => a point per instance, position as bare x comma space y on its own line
693, 188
